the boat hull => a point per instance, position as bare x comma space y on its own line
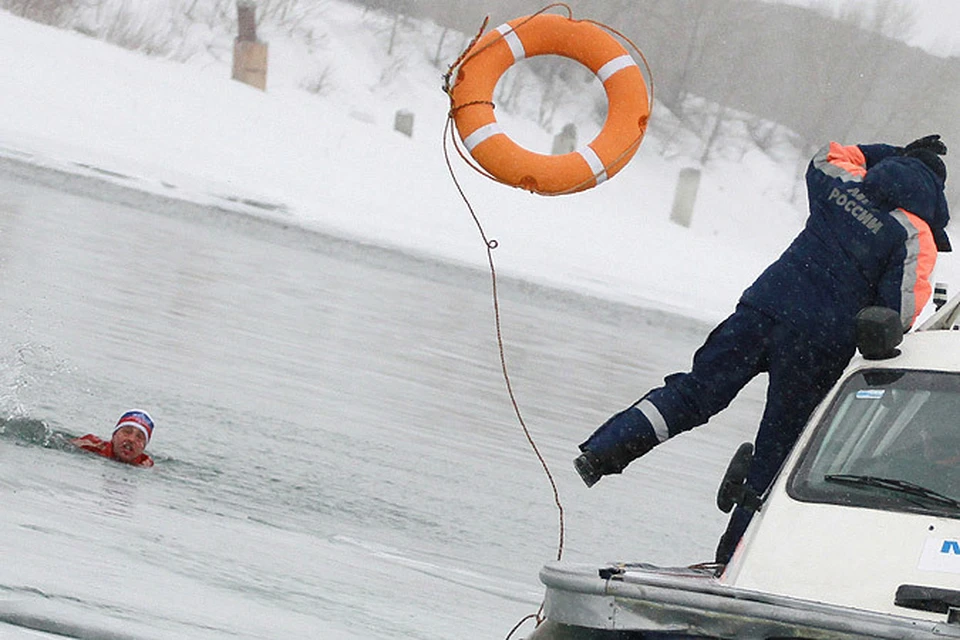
643, 602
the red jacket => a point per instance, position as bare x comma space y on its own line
93, 444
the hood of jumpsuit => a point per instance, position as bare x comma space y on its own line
907, 183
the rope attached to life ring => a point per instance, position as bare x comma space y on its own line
491, 244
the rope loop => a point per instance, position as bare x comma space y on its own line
454, 109
500, 159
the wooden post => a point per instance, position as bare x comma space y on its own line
246, 20
249, 54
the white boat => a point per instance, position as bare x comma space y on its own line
858, 536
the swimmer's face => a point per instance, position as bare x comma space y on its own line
128, 444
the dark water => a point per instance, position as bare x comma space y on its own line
336, 453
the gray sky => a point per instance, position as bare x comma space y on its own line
938, 22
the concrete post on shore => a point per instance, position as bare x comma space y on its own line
566, 140
685, 197
249, 54
403, 122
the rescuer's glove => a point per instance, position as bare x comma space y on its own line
931, 143
931, 159
623, 438
588, 466
928, 150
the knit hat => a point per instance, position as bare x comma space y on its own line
137, 419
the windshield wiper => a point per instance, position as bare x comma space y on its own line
895, 484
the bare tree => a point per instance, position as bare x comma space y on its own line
57, 13
891, 18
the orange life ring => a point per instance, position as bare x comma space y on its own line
627, 112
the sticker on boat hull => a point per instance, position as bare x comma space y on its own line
940, 554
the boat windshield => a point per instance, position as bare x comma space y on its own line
889, 440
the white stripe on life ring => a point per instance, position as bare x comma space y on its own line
481, 134
596, 164
618, 63
513, 41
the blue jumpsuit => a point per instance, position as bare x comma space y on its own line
869, 240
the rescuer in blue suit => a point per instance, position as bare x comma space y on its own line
877, 220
